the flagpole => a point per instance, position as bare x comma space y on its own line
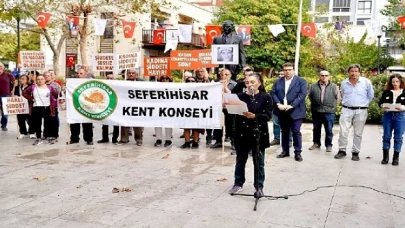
297, 47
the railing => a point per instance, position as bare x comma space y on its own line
147, 37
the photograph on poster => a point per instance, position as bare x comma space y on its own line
225, 54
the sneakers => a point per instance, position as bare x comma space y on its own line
275, 142
235, 189
122, 142
355, 157
139, 143
315, 146
341, 154
158, 143
4, 129
328, 149
168, 143
32, 136
51, 140
21, 136
37, 142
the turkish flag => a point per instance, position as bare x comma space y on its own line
158, 36
212, 31
308, 29
42, 19
70, 60
401, 21
129, 28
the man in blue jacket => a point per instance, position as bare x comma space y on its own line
288, 95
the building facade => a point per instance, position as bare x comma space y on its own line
113, 41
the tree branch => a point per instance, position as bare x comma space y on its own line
25, 29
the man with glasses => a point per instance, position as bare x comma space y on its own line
132, 75
324, 96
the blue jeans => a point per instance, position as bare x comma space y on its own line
325, 119
4, 118
276, 128
393, 121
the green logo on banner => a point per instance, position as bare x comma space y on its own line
95, 100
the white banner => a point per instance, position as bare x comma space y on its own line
32, 60
104, 62
15, 105
185, 33
128, 61
99, 26
144, 104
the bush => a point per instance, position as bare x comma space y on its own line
374, 111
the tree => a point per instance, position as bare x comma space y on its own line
30, 41
393, 10
57, 27
266, 51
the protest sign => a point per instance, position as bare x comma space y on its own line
205, 58
156, 66
15, 105
128, 61
104, 62
32, 60
144, 104
184, 60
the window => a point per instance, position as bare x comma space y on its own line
109, 28
321, 20
341, 5
364, 7
360, 21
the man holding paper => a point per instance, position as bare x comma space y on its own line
393, 103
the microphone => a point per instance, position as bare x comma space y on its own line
252, 90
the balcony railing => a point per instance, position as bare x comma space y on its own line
147, 37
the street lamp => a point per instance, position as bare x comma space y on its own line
378, 53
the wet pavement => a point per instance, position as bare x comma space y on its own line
71, 186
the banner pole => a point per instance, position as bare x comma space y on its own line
68, 136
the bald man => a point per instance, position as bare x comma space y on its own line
6, 90
324, 96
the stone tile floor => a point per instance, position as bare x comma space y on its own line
71, 186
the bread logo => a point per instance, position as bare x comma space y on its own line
95, 100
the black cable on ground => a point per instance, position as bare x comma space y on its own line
350, 186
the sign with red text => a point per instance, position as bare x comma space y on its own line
32, 60
184, 60
104, 62
128, 61
156, 66
15, 105
205, 58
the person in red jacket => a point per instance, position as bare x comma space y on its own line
6, 90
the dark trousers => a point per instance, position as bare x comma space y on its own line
23, 120
87, 132
229, 128
242, 155
327, 120
209, 133
116, 133
288, 124
50, 126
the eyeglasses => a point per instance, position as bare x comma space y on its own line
324, 75
190, 81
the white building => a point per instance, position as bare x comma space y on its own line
113, 41
354, 13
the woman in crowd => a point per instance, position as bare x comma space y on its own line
195, 133
393, 120
252, 133
43, 99
159, 130
23, 119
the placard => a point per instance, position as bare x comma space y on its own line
104, 62
146, 104
205, 58
32, 60
128, 61
184, 60
156, 66
15, 105
225, 54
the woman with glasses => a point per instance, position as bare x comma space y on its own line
43, 99
159, 130
393, 120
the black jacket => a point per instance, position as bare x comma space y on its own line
244, 127
388, 97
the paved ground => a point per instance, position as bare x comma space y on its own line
60, 186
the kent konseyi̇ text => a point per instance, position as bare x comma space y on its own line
168, 111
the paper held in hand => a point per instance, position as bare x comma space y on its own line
391, 107
234, 105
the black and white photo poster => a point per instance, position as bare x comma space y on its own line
225, 54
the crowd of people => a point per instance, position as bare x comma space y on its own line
247, 133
